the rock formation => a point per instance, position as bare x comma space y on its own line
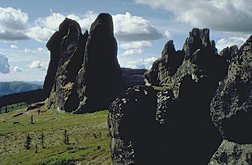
166, 66
232, 153
231, 107
84, 74
99, 81
66, 47
172, 121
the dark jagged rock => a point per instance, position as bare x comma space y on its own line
100, 78
67, 51
231, 106
166, 66
53, 45
184, 132
71, 58
232, 153
132, 126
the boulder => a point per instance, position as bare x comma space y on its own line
132, 126
99, 80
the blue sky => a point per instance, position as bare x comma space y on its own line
142, 27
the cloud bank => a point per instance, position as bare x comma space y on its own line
223, 15
12, 24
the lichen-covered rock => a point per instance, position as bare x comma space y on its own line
232, 153
231, 107
67, 52
53, 45
132, 126
99, 80
165, 102
183, 129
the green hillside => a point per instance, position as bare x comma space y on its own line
55, 138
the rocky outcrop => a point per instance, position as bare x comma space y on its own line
132, 126
53, 45
67, 47
99, 81
166, 66
231, 106
180, 129
232, 153
84, 74
72, 48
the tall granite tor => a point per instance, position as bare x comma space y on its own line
84, 74
67, 47
99, 79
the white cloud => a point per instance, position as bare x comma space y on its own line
126, 26
40, 33
51, 22
133, 52
45, 26
4, 64
224, 15
12, 24
145, 63
36, 65
16, 69
133, 28
41, 49
229, 41
167, 34
135, 45
14, 46
11, 18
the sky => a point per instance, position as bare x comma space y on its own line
142, 27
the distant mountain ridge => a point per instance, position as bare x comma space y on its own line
7, 88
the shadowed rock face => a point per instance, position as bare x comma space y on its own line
166, 66
84, 73
100, 78
72, 48
231, 106
180, 129
132, 126
66, 47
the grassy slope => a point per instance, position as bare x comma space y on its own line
88, 138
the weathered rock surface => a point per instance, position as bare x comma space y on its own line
232, 153
67, 47
132, 126
231, 107
166, 66
179, 112
100, 78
